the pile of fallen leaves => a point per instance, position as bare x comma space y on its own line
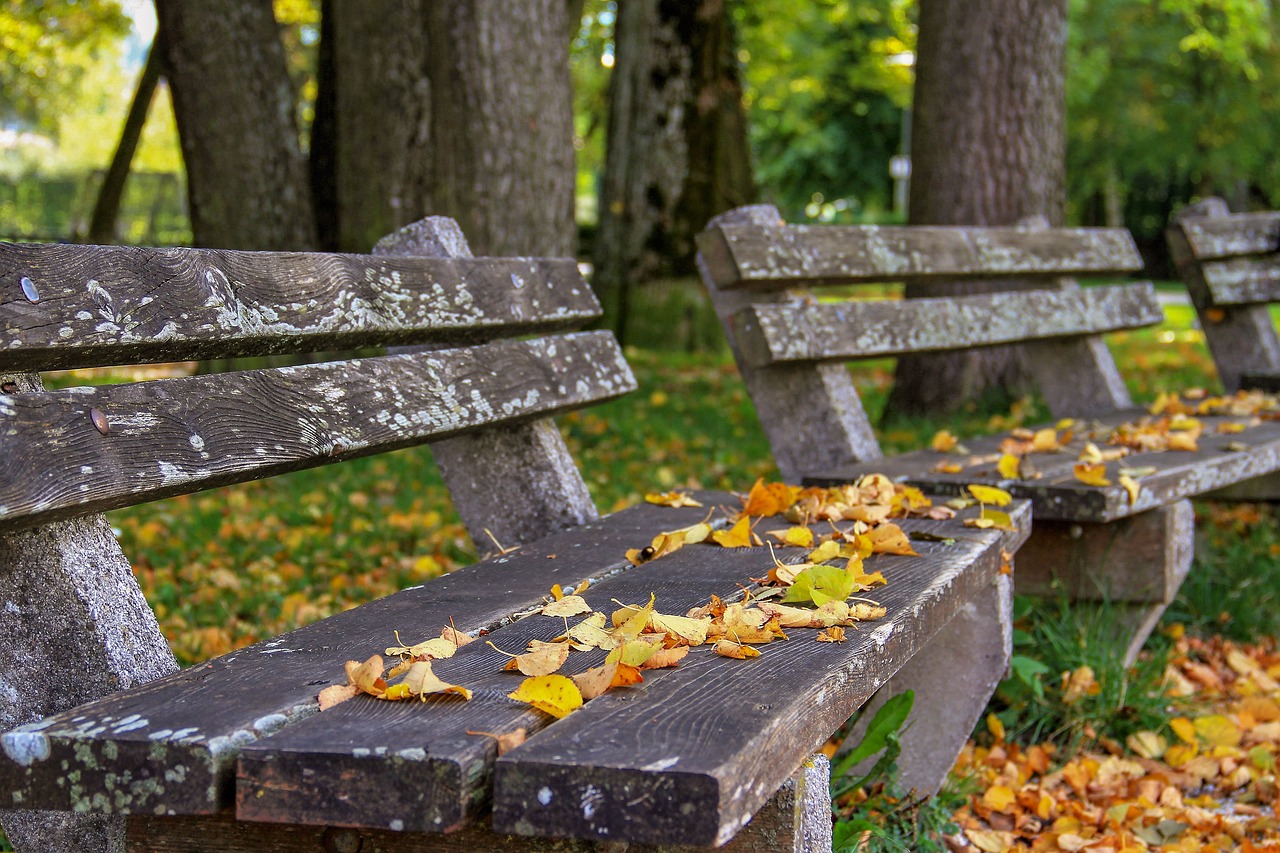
1173, 425
1205, 783
817, 593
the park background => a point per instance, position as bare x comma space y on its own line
614, 131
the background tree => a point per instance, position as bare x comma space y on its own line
988, 140
246, 176
677, 151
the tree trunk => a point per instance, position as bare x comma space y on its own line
106, 210
988, 148
246, 176
501, 127
368, 144
677, 151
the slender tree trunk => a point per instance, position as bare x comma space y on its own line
102, 224
246, 176
501, 128
988, 148
677, 151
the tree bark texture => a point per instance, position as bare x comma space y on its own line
247, 179
677, 151
501, 125
370, 143
102, 224
988, 148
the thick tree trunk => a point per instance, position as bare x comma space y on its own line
677, 151
246, 176
501, 129
370, 140
988, 148
102, 224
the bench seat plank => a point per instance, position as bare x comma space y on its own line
840, 331
105, 305
170, 746
96, 448
696, 752
1057, 494
767, 257
334, 768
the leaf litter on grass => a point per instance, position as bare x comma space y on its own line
1206, 782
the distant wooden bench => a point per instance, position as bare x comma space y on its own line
230, 754
1088, 541
1230, 263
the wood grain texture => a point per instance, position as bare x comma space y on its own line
95, 448
170, 746
103, 305
530, 459
1222, 459
1228, 264
811, 413
774, 257
841, 331
1224, 236
688, 758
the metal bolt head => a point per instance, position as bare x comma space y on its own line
100, 422
29, 289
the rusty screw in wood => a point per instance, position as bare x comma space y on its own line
100, 422
29, 289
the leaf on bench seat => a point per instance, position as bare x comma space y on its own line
556, 695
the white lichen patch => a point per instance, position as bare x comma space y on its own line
25, 748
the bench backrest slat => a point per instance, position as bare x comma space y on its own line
1233, 234
779, 256
91, 449
82, 306
758, 270
773, 333
1230, 263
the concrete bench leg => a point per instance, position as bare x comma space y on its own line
76, 627
953, 678
1136, 564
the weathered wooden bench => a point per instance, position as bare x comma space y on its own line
231, 754
1089, 541
1230, 263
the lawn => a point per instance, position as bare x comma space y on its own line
229, 567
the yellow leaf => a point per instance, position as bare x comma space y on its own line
544, 660
1179, 754
730, 649
1091, 474
799, 537
943, 441
590, 634
982, 523
608, 675
996, 727
664, 658
1132, 487
336, 694
1183, 728
1045, 440
557, 592
999, 798
396, 693
1009, 466
438, 647
738, 536
889, 539
367, 675
421, 681
834, 634
691, 631
999, 520
990, 494
1217, 730
631, 620
1090, 454
557, 695
672, 499
632, 653
828, 550
989, 840
569, 605
508, 741
1183, 441
769, 498
1147, 744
